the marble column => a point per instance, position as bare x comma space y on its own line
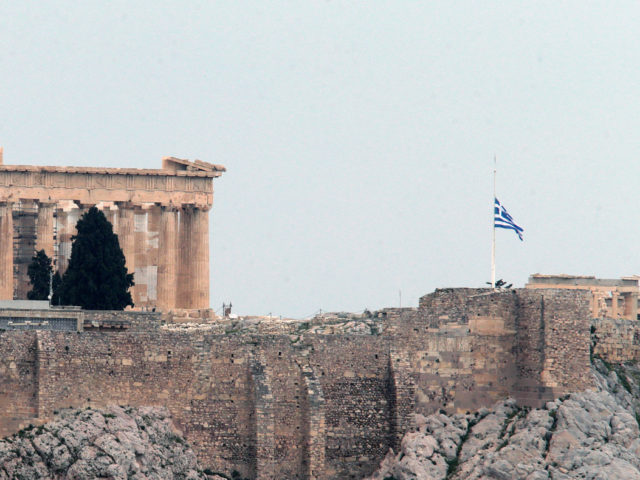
67, 220
168, 258
62, 258
24, 226
614, 304
6, 251
630, 305
125, 234
185, 273
152, 242
44, 228
200, 258
111, 215
595, 303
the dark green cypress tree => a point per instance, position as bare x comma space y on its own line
96, 278
39, 272
56, 283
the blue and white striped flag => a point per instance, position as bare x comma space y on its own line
502, 219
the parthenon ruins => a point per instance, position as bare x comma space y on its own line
160, 216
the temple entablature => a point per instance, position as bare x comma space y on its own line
181, 182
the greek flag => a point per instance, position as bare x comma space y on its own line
502, 219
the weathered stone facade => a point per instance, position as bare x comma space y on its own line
152, 210
616, 340
612, 298
307, 406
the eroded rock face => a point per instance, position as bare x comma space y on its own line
588, 435
115, 443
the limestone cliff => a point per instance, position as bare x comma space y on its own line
592, 435
115, 443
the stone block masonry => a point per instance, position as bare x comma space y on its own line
305, 406
18, 380
616, 340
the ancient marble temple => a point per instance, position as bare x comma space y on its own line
159, 215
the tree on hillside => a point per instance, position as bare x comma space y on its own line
40, 276
96, 278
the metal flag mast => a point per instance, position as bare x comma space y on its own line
493, 229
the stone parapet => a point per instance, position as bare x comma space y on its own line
190, 315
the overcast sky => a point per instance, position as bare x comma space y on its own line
358, 136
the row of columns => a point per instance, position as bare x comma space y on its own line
183, 249
605, 303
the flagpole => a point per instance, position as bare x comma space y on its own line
493, 229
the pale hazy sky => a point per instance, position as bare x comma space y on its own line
358, 136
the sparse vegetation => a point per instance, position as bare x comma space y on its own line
39, 272
547, 437
619, 370
452, 464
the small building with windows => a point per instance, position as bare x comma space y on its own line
39, 315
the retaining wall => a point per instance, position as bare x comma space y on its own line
309, 406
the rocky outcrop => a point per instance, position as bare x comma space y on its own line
587, 435
116, 443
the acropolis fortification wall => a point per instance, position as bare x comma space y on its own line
307, 406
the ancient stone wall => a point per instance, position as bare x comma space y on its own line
456, 351
307, 406
18, 380
567, 341
616, 340
530, 348
205, 382
478, 346
353, 375
135, 320
552, 344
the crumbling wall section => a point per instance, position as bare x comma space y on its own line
133, 319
